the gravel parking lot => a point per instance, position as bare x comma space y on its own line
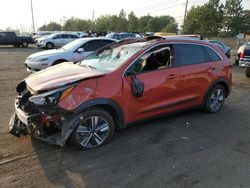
188, 150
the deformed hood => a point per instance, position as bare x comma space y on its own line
59, 75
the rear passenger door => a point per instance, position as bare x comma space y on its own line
199, 66
69, 38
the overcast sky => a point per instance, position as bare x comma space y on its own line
17, 13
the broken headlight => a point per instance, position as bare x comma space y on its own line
51, 97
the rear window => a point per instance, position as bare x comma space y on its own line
188, 54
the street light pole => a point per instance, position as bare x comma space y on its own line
33, 22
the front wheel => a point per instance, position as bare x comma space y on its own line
247, 72
95, 129
215, 99
49, 45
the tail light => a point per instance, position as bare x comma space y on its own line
242, 53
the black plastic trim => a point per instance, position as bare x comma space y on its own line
118, 116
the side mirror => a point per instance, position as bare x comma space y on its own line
137, 86
80, 50
130, 72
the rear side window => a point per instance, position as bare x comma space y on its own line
106, 42
73, 36
212, 55
188, 54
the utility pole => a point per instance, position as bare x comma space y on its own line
93, 21
33, 22
185, 15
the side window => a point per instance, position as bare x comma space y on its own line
116, 37
188, 54
92, 45
74, 36
154, 60
2, 34
65, 36
212, 55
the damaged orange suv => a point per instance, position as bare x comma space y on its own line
118, 85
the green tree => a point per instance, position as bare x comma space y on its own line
233, 17
170, 28
76, 24
132, 22
192, 23
246, 20
143, 23
122, 22
205, 19
52, 26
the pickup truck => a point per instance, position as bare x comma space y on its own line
244, 57
10, 38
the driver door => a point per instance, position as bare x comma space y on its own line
161, 86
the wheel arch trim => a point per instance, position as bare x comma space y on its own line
109, 104
222, 82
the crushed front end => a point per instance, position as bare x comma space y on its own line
37, 114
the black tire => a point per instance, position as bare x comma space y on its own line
25, 44
58, 62
16, 46
49, 45
247, 72
97, 126
236, 62
215, 99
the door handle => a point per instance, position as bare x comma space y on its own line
171, 76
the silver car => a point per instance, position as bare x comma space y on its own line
71, 52
56, 40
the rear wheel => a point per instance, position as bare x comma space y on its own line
215, 99
95, 129
247, 72
25, 44
49, 45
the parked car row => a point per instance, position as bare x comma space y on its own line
118, 85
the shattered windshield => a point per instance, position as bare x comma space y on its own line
112, 58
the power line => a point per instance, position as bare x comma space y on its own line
154, 5
161, 8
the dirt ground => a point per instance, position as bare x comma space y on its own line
187, 150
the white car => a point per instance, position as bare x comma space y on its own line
56, 40
72, 52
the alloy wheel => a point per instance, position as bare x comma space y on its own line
216, 100
92, 132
